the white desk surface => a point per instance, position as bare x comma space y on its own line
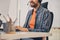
19, 35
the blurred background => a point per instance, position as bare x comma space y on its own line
19, 8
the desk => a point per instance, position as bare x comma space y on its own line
19, 35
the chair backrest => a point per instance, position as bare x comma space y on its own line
45, 5
0, 23
52, 16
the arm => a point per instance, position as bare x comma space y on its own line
22, 29
25, 24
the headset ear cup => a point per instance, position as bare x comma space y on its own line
39, 1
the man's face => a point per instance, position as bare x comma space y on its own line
33, 3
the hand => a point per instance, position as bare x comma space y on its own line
18, 27
22, 29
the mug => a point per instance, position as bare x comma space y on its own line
8, 27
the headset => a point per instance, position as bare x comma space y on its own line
39, 1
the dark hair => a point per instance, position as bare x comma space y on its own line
39, 1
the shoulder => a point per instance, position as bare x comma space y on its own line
29, 11
45, 10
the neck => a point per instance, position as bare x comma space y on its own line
36, 7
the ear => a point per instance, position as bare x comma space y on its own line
45, 5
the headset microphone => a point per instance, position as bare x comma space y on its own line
28, 3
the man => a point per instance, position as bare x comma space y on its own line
38, 19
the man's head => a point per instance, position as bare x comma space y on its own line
34, 3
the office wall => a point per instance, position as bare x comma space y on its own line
9, 7
4, 8
53, 5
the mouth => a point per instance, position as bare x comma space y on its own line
32, 2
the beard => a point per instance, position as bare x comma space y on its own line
33, 4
